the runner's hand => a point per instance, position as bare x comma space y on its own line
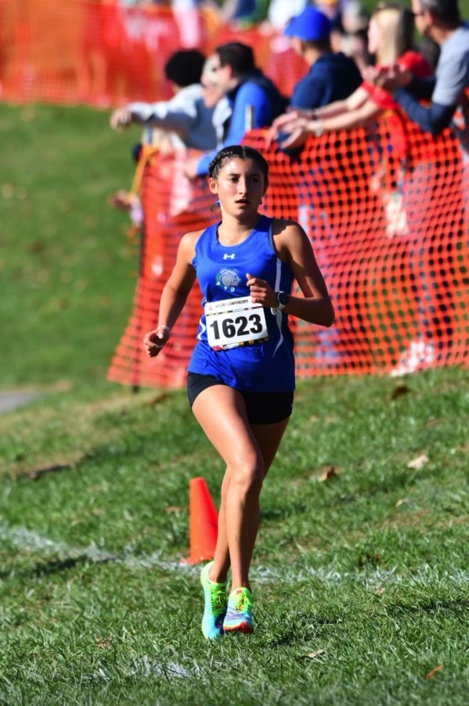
154, 341
261, 292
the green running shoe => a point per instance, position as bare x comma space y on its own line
239, 614
215, 605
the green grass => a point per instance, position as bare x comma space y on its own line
65, 263
360, 582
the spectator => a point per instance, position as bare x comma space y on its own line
430, 50
331, 76
254, 100
185, 121
186, 114
439, 20
350, 34
390, 38
215, 98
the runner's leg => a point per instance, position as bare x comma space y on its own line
248, 453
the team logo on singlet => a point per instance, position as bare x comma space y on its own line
228, 279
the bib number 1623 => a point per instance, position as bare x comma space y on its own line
235, 322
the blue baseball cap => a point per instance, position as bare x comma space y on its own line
311, 25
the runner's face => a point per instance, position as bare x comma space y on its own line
240, 186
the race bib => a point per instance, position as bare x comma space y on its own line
235, 322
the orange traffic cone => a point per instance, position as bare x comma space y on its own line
203, 523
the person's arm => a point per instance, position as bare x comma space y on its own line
296, 132
292, 128
355, 117
294, 248
174, 295
356, 100
448, 90
422, 88
392, 78
433, 119
164, 115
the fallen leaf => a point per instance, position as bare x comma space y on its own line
418, 462
328, 474
172, 508
433, 671
380, 591
104, 643
313, 655
404, 501
156, 400
35, 473
399, 391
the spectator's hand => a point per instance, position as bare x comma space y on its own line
297, 130
283, 122
374, 74
121, 118
123, 200
155, 340
389, 78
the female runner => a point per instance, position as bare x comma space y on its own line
241, 375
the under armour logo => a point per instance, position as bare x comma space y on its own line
229, 257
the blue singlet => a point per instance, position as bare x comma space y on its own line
221, 272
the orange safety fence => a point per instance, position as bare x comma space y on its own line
387, 210
104, 54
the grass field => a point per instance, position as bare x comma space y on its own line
360, 580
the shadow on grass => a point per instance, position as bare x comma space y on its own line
281, 512
290, 631
428, 606
54, 566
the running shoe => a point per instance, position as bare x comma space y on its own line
215, 605
239, 614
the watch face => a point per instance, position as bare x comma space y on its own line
283, 298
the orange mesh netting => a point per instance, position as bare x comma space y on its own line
384, 208
102, 53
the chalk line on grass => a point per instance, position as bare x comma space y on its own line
31, 540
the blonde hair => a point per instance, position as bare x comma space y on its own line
397, 25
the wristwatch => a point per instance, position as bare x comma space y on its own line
283, 298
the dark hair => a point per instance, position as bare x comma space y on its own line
241, 152
238, 56
430, 51
184, 67
321, 45
406, 30
445, 10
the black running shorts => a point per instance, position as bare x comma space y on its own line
261, 407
